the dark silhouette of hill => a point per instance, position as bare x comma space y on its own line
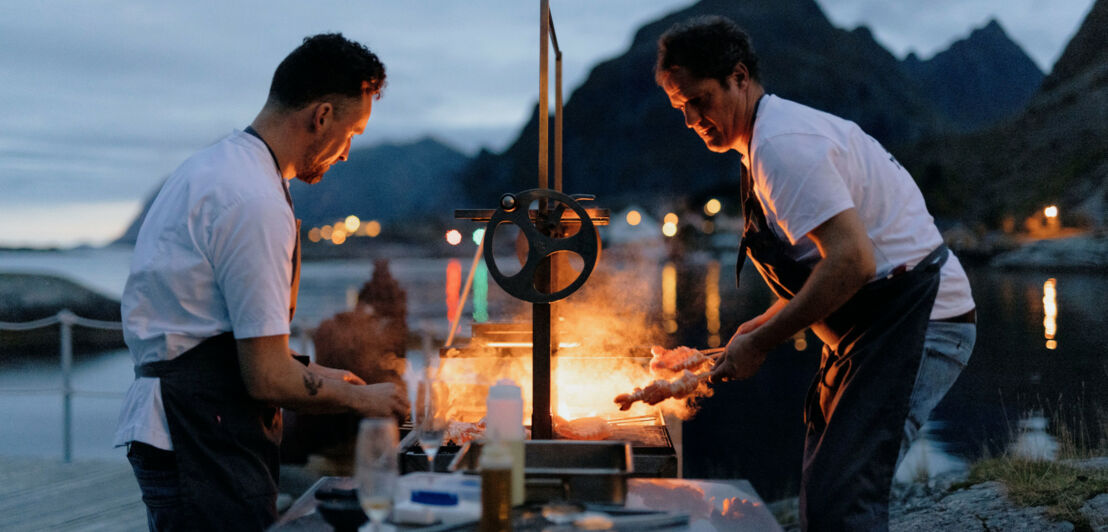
1055, 151
978, 80
383, 182
625, 143
386, 182
1086, 49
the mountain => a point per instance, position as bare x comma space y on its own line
385, 183
624, 143
979, 80
1054, 152
1086, 49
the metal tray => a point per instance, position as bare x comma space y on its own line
566, 470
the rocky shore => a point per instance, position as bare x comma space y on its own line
1087, 252
26, 297
945, 502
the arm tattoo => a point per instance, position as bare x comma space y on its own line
312, 382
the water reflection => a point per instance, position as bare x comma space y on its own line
453, 287
481, 293
669, 297
711, 303
1050, 312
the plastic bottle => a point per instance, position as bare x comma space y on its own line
504, 423
496, 480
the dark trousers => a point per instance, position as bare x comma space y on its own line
156, 472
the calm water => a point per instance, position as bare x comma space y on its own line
1040, 348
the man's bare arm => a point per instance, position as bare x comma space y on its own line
272, 376
847, 264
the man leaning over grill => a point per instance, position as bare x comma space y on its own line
840, 233
211, 292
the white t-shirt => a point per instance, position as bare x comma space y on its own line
809, 166
214, 254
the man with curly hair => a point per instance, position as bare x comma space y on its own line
211, 292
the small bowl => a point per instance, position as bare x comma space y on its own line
341, 510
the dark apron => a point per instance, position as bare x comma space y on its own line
858, 401
226, 444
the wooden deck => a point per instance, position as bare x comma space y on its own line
47, 494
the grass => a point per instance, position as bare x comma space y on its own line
1062, 489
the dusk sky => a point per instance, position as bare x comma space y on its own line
101, 99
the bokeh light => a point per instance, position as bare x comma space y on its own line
373, 228
338, 236
670, 218
1051, 212
453, 237
633, 217
669, 229
478, 235
713, 207
313, 235
351, 222
325, 232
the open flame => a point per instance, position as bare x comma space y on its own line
604, 337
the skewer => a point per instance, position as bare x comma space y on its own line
630, 420
640, 394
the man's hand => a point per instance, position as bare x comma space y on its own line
740, 360
381, 400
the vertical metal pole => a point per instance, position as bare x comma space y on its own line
66, 319
558, 120
541, 424
544, 105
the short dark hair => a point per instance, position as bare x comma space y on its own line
708, 47
324, 65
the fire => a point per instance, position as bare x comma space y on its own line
604, 337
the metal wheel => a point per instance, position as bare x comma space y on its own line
514, 208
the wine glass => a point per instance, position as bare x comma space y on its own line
428, 416
376, 468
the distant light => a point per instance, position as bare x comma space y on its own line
313, 235
325, 232
669, 229
1051, 212
373, 228
633, 217
1051, 344
713, 207
670, 218
352, 222
338, 236
453, 237
478, 235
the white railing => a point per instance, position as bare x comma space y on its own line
67, 320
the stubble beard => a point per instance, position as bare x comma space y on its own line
313, 168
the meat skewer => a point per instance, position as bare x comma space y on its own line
674, 361
661, 389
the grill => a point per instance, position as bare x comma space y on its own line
505, 348
553, 224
